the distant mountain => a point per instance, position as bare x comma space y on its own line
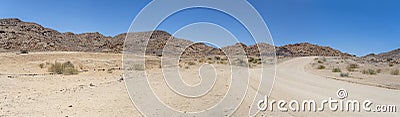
16, 35
307, 49
392, 56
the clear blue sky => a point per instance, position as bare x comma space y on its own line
354, 26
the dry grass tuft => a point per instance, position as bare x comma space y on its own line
66, 68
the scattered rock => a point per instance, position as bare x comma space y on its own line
121, 79
92, 85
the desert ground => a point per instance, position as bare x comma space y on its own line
98, 88
384, 75
28, 90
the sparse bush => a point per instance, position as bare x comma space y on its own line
344, 74
378, 71
41, 65
23, 51
109, 70
320, 61
202, 60
222, 62
391, 64
251, 59
217, 58
56, 68
321, 67
191, 63
352, 67
70, 71
395, 72
66, 68
369, 72
336, 70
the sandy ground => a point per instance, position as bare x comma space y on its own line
382, 79
28, 90
92, 93
294, 82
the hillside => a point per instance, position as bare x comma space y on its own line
16, 35
307, 49
392, 56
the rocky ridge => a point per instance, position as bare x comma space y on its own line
16, 35
392, 57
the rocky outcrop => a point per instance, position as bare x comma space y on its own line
307, 49
392, 57
16, 35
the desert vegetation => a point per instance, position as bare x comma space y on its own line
23, 51
352, 67
336, 70
344, 74
369, 72
66, 68
395, 72
251, 61
321, 67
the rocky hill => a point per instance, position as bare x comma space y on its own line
392, 56
16, 35
307, 49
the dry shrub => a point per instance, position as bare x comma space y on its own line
191, 63
344, 74
352, 67
23, 51
378, 71
395, 72
217, 58
321, 67
369, 72
66, 68
336, 70
41, 65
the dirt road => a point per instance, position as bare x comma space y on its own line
293, 82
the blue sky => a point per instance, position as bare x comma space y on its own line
354, 26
